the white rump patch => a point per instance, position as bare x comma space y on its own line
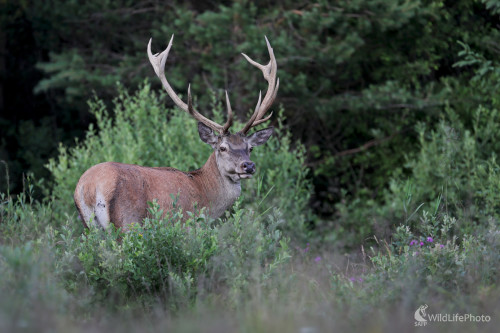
86, 211
101, 211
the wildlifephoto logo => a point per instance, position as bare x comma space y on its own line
420, 315
422, 318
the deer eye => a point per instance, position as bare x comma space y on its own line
222, 149
250, 149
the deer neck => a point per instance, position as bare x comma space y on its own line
219, 191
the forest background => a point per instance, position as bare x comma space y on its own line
387, 119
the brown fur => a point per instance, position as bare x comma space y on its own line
128, 188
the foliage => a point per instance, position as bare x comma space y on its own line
455, 169
22, 218
167, 258
161, 257
442, 268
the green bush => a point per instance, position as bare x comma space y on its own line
22, 218
439, 266
163, 257
454, 173
167, 259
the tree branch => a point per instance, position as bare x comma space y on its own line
369, 144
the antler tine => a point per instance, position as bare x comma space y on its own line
229, 121
158, 61
258, 122
269, 71
254, 115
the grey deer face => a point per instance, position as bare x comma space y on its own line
232, 151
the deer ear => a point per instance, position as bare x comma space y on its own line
207, 135
260, 137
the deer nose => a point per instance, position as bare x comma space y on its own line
248, 166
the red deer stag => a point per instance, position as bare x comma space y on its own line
118, 193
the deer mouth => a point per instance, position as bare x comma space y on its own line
245, 175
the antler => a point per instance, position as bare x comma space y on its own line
269, 72
158, 61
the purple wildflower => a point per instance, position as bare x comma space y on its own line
430, 240
317, 259
413, 242
441, 246
307, 248
421, 243
353, 279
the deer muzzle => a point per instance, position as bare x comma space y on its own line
247, 168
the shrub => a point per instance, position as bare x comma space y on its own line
455, 172
161, 258
436, 268
168, 259
22, 218
439, 266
